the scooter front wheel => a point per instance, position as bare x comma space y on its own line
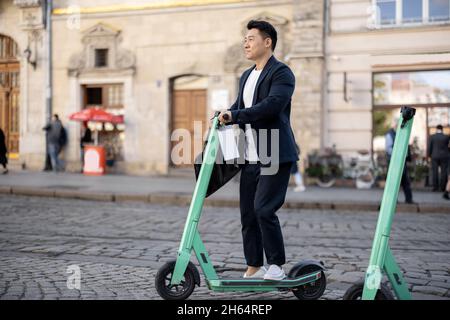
180, 291
355, 292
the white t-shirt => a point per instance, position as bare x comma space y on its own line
249, 91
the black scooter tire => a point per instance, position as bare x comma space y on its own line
355, 292
162, 282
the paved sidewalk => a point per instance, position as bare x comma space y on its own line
177, 190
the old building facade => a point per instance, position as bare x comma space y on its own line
382, 55
22, 76
169, 65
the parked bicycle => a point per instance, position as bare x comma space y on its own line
361, 168
327, 166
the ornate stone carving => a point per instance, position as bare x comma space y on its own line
31, 14
277, 21
101, 36
77, 63
235, 60
27, 3
100, 30
125, 59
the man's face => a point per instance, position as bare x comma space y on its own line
255, 46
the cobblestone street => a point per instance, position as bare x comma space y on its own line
120, 246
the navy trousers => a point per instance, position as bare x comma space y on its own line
260, 198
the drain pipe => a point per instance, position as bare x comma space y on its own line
325, 100
49, 78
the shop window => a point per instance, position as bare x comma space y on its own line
111, 136
94, 96
417, 87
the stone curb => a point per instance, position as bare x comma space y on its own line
181, 199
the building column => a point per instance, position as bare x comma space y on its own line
33, 56
307, 60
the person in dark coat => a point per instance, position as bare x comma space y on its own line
85, 139
439, 154
3, 152
55, 141
405, 182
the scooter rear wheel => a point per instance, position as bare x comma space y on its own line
174, 292
355, 292
310, 291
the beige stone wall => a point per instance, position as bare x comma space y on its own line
307, 62
206, 40
165, 43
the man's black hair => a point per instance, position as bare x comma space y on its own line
266, 30
439, 127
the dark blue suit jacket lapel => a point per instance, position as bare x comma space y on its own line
245, 76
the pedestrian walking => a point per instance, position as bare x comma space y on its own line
405, 182
85, 139
3, 152
56, 140
299, 185
439, 153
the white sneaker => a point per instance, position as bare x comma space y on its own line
299, 188
274, 273
258, 274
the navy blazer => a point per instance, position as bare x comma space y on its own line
438, 146
271, 109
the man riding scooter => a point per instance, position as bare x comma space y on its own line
263, 104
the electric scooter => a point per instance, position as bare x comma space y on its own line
382, 260
176, 280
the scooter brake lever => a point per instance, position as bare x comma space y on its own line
216, 114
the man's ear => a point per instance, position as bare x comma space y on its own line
268, 42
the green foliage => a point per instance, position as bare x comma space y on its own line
380, 122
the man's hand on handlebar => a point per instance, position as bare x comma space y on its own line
225, 117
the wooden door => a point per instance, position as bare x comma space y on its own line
188, 110
9, 105
9, 94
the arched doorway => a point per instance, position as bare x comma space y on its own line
9, 94
188, 117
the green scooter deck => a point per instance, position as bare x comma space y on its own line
261, 284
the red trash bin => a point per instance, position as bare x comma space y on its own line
94, 160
